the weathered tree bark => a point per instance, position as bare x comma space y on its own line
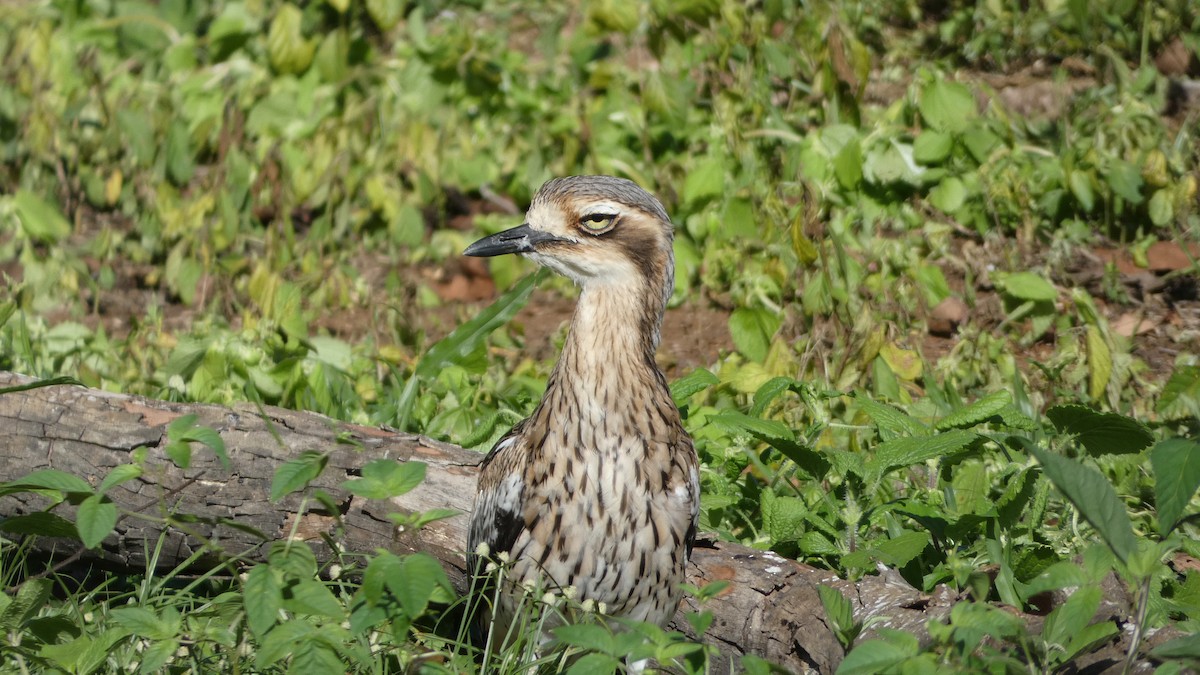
770, 608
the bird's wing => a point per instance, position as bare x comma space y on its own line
497, 519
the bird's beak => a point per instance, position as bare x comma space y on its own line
521, 239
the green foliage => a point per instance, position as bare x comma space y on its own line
275, 188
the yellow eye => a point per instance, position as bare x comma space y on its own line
598, 222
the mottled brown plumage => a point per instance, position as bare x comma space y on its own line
598, 488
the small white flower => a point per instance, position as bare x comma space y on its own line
482, 549
502, 557
490, 567
570, 592
588, 605
335, 571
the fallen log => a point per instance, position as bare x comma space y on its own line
770, 608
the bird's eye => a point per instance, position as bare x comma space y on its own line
598, 222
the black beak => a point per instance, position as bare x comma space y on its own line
520, 239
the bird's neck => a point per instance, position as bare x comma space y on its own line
609, 350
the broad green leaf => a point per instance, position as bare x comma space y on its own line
17, 609
1081, 187
283, 641
40, 220
738, 422
415, 582
263, 598
40, 523
694, 382
901, 550
1161, 208
316, 656
290, 52
47, 479
144, 622
848, 165
1176, 465
892, 422
949, 195
1185, 647
1180, 396
595, 664
947, 106
386, 478
752, 329
783, 517
1072, 616
1125, 179
1094, 497
876, 656
119, 474
979, 411
294, 559
297, 473
95, 520
971, 486
906, 451
1101, 433
837, 608
587, 636
705, 181
385, 13
932, 147
180, 165
1026, 286
309, 596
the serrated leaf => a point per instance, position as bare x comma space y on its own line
415, 582
738, 422
891, 421
316, 656
25, 604
309, 596
95, 520
783, 517
297, 473
143, 622
1185, 647
1176, 465
901, 550
386, 478
902, 452
1093, 496
1180, 396
694, 382
979, 411
40, 220
837, 607
262, 599
1101, 433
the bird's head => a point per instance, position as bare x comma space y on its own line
595, 230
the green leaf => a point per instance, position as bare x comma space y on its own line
120, 474
1093, 496
40, 220
980, 411
595, 664
752, 329
178, 149
24, 605
293, 559
1081, 187
297, 473
40, 523
144, 623
1101, 433
589, 636
262, 599
947, 106
738, 422
316, 656
95, 520
876, 656
1125, 179
416, 580
705, 181
1026, 286
1176, 465
901, 452
932, 147
290, 53
1186, 647
848, 165
837, 608
1161, 208
891, 421
1072, 616
309, 596
1180, 396
385, 13
901, 550
783, 517
692, 383
386, 478
1100, 363
47, 479
949, 195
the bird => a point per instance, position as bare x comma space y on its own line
596, 493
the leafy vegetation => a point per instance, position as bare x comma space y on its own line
265, 201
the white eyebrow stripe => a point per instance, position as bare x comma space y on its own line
606, 208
